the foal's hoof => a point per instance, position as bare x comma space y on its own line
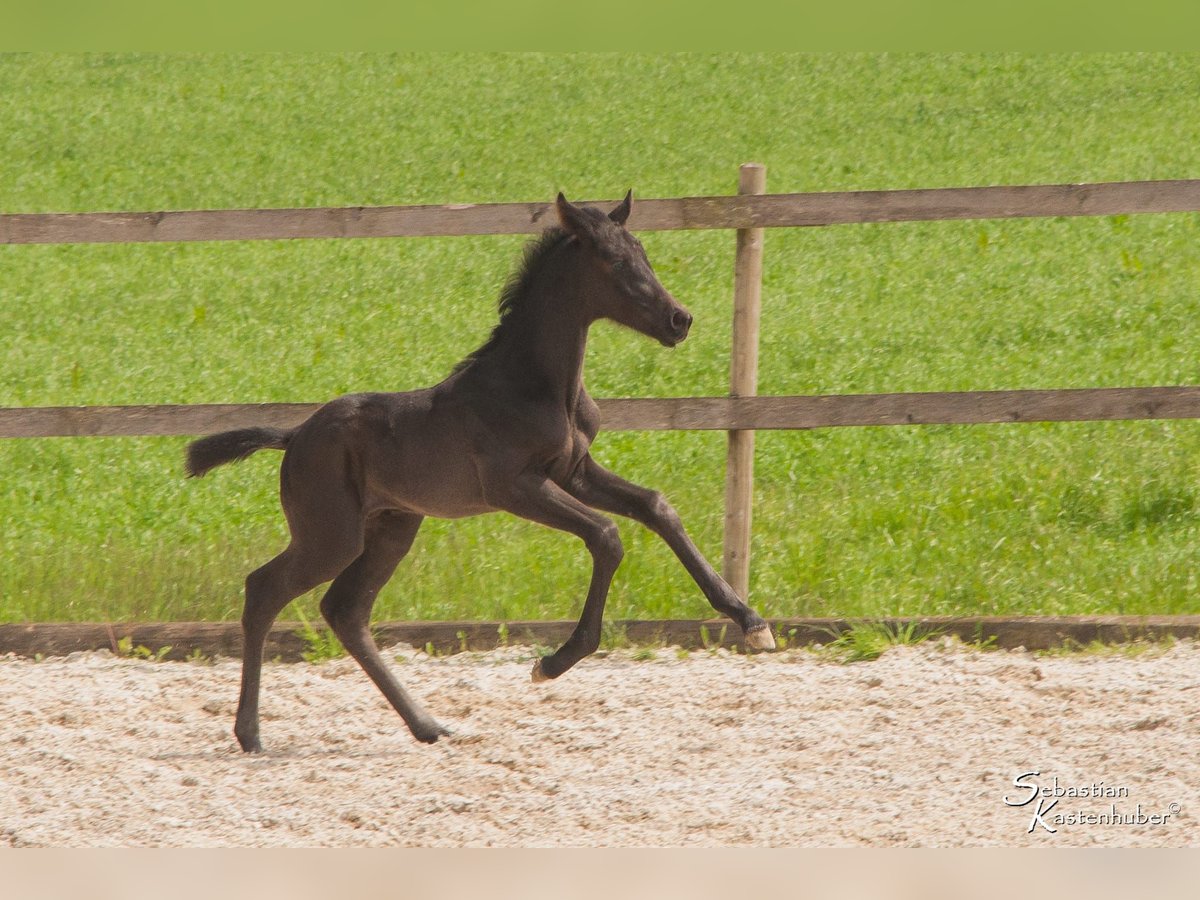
249, 744
537, 674
760, 638
430, 733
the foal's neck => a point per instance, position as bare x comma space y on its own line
545, 336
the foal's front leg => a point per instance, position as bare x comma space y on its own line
598, 487
538, 499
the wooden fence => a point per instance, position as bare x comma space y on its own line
741, 413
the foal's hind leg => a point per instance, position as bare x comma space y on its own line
327, 535
347, 607
268, 590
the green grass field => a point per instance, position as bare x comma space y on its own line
1063, 518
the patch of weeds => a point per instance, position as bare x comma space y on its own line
1131, 264
1159, 507
868, 640
645, 654
682, 653
1129, 649
708, 643
782, 640
198, 656
614, 637
502, 634
979, 642
126, 649
322, 645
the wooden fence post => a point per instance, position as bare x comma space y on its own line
743, 382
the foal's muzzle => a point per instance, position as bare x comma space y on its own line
679, 321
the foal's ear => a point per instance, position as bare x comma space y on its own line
571, 217
621, 213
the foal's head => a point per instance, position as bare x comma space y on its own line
620, 283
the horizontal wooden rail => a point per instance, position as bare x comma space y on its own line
743, 211
182, 639
668, 413
934, 408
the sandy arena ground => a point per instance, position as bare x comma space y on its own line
918, 748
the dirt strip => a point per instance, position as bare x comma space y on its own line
662, 747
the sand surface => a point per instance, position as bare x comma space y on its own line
917, 748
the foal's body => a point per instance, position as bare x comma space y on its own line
509, 430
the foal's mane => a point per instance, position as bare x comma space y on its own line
518, 284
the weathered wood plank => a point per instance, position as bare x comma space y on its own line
1002, 202
284, 641
133, 421
668, 413
744, 211
934, 408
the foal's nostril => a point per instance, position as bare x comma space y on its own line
681, 321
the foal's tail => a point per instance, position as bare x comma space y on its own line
232, 446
